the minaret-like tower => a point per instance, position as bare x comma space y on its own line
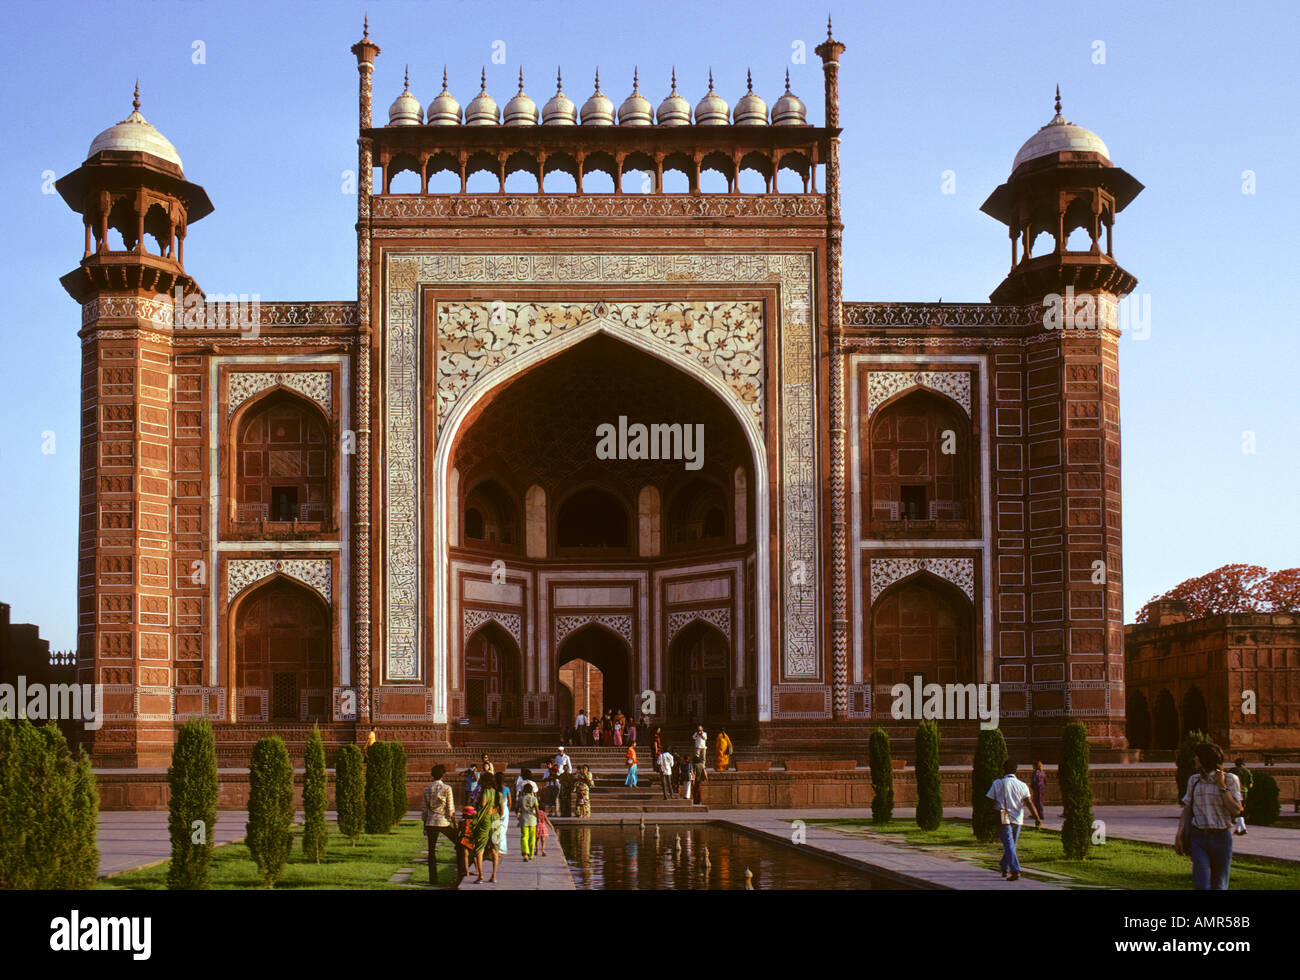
130, 291
829, 51
1063, 180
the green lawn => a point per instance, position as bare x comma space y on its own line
1116, 864
369, 865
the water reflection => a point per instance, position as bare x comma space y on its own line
697, 857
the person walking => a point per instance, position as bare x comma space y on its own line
699, 773
1009, 795
665, 767
581, 726
631, 766
1247, 779
1037, 784
499, 841
528, 807
438, 812
483, 829
1212, 802
582, 784
543, 830
722, 750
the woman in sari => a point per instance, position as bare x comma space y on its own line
582, 784
499, 839
483, 829
722, 751
658, 744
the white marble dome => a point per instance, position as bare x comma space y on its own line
1058, 136
444, 110
482, 109
406, 109
598, 110
521, 110
134, 134
674, 110
636, 109
712, 109
560, 110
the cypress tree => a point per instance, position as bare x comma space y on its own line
929, 786
379, 789
1076, 792
314, 831
1263, 803
882, 778
990, 756
350, 792
270, 808
192, 805
397, 763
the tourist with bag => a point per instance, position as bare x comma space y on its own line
1010, 795
1212, 802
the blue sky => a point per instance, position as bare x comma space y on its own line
1189, 96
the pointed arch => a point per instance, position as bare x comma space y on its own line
923, 624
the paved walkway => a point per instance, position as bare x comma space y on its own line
550, 873
135, 838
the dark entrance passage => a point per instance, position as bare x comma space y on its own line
491, 678
699, 677
596, 651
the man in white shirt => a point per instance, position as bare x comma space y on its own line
562, 760
666, 762
701, 742
1010, 796
580, 726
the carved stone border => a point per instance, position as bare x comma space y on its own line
510, 622
798, 468
884, 385
315, 573
886, 571
243, 385
719, 617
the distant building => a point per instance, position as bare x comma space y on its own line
1235, 676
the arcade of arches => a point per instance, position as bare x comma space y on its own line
621, 576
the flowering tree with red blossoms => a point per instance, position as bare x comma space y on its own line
1234, 589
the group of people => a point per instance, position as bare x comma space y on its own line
480, 831
1213, 812
680, 774
612, 728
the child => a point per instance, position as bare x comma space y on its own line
528, 811
464, 846
543, 831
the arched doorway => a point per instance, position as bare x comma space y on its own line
1195, 716
282, 653
922, 625
699, 677
281, 462
1166, 729
596, 649
491, 678
920, 464
1137, 721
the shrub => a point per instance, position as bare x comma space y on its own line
350, 792
48, 810
882, 778
1187, 764
1076, 792
1263, 803
929, 788
397, 763
379, 789
314, 831
192, 781
270, 807
990, 755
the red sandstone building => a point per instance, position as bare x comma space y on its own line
393, 511
1235, 676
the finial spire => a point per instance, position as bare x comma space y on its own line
634, 78
710, 79
135, 101
521, 79
559, 81
444, 78
828, 27
406, 81
674, 91
1058, 99
787, 81
483, 80
597, 79
365, 27
749, 79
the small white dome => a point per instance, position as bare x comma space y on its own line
750, 110
789, 109
560, 110
444, 110
482, 109
636, 109
134, 135
713, 109
674, 110
406, 109
521, 110
598, 110
1059, 136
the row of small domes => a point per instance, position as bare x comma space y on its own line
598, 110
